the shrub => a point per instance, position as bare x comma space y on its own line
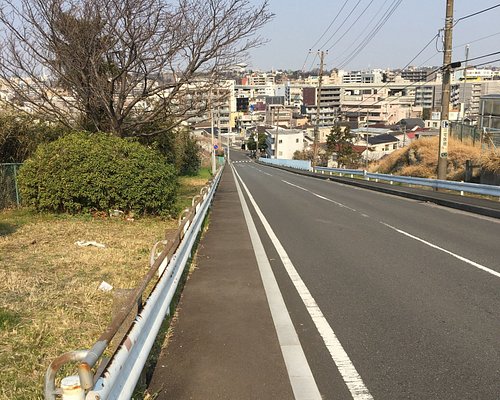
20, 135
178, 148
84, 172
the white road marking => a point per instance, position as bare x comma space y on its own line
319, 196
466, 260
301, 378
341, 359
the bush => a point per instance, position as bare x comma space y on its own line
20, 135
84, 172
178, 148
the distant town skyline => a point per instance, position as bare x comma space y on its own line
298, 26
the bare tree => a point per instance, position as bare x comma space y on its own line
131, 67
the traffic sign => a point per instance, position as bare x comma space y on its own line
216, 147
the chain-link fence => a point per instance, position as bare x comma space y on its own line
9, 189
486, 137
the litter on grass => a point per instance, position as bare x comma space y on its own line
85, 243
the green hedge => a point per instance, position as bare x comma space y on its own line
84, 172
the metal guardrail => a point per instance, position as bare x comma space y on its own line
121, 372
462, 187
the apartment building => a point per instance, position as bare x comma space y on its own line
381, 103
467, 96
282, 143
329, 103
278, 114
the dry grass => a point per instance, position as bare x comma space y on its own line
490, 161
49, 297
420, 159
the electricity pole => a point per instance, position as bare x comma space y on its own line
212, 152
445, 96
318, 101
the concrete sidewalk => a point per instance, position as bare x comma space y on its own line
224, 344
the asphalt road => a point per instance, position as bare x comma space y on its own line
410, 290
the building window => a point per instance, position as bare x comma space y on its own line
394, 146
280, 153
386, 147
280, 141
296, 140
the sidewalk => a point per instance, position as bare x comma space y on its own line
224, 344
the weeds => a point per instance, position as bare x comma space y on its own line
49, 286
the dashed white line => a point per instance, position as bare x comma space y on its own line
319, 196
466, 260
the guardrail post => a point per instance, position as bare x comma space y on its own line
367, 178
461, 192
71, 389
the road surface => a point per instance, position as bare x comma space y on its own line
391, 298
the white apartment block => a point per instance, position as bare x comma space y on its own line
282, 143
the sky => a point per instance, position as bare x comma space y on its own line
298, 25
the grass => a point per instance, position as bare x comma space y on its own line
420, 159
50, 302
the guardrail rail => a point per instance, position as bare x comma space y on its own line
462, 187
100, 378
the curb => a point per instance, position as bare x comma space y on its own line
401, 191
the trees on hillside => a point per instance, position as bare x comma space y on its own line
340, 143
123, 65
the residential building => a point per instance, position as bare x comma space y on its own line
283, 143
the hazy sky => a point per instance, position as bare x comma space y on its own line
299, 24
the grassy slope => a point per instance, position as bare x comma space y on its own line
420, 159
49, 301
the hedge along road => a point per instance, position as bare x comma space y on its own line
409, 289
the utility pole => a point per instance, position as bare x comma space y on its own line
318, 101
212, 134
445, 96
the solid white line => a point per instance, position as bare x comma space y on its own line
473, 263
344, 364
301, 378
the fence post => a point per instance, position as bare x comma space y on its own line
16, 186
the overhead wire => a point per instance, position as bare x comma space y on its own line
476, 13
350, 27
407, 64
329, 26
369, 37
367, 25
342, 24
324, 33
429, 78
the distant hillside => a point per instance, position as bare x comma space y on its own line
420, 159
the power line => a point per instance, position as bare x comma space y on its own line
367, 25
392, 8
342, 24
314, 59
430, 78
479, 57
407, 64
348, 29
477, 40
329, 26
476, 13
